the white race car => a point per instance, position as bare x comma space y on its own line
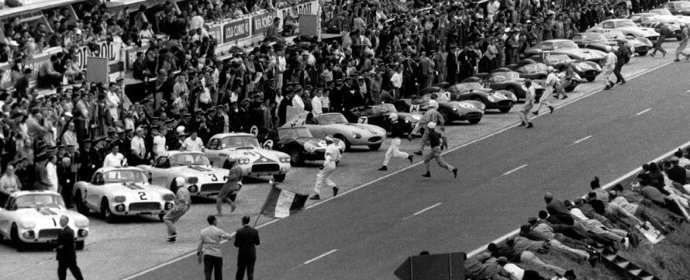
254, 160
34, 217
201, 179
122, 191
627, 26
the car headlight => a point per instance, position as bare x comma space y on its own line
120, 208
192, 180
243, 160
597, 67
120, 198
356, 135
284, 159
168, 197
29, 234
193, 189
169, 205
27, 224
83, 233
81, 223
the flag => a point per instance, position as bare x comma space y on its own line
281, 203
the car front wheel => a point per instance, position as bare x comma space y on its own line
19, 245
79, 245
375, 147
279, 177
107, 214
474, 121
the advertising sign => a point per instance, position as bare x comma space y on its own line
236, 30
261, 22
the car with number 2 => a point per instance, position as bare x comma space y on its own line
245, 150
201, 179
122, 191
33, 217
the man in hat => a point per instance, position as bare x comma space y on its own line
436, 141
86, 169
215, 122
138, 147
98, 152
331, 157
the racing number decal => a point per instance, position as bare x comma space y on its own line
225, 178
142, 196
414, 108
213, 177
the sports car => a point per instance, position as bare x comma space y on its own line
201, 178
34, 217
503, 100
656, 21
639, 45
678, 7
628, 27
255, 160
298, 142
470, 110
509, 80
337, 126
122, 191
530, 69
665, 13
379, 115
587, 69
567, 48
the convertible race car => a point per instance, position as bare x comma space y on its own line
567, 48
588, 70
337, 126
503, 100
122, 191
666, 14
470, 110
379, 115
298, 142
201, 178
255, 160
34, 217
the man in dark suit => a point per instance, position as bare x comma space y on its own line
66, 252
246, 240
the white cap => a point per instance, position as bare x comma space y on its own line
393, 116
433, 104
431, 125
179, 181
180, 129
328, 138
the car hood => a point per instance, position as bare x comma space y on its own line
49, 217
128, 188
583, 54
360, 128
468, 105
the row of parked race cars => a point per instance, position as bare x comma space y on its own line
33, 216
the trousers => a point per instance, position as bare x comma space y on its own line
435, 154
173, 216
393, 151
245, 265
324, 177
213, 266
530, 258
63, 265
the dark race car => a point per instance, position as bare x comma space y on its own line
502, 100
509, 80
471, 110
298, 142
379, 115
588, 70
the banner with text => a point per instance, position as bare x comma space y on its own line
236, 30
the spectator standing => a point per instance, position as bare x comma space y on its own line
138, 147
193, 143
41, 181
552, 82
246, 240
683, 43
66, 252
51, 169
664, 32
209, 250
114, 158
9, 182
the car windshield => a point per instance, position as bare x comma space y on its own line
683, 5
564, 45
556, 58
294, 132
593, 37
125, 176
625, 23
332, 119
240, 142
188, 159
468, 86
504, 75
663, 12
39, 201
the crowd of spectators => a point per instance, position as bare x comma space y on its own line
388, 49
604, 220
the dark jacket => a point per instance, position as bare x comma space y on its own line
246, 240
65, 248
41, 181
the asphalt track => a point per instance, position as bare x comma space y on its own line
367, 233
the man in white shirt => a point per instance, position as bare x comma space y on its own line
297, 101
316, 108
609, 65
332, 156
138, 148
192, 143
552, 81
114, 158
51, 167
159, 146
196, 22
209, 250
397, 81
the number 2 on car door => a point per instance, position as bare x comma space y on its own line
142, 196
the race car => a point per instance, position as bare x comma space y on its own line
379, 115
508, 80
298, 142
530, 69
122, 191
665, 13
201, 178
567, 48
503, 100
34, 217
255, 160
678, 7
469, 110
588, 70
639, 45
337, 126
656, 21
628, 28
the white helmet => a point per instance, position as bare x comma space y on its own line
431, 125
433, 104
179, 181
393, 116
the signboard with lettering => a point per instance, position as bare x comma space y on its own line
236, 30
109, 50
309, 8
261, 22
216, 31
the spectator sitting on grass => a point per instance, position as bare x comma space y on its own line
640, 211
532, 241
483, 266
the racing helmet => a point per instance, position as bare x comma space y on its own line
179, 181
433, 104
393, 116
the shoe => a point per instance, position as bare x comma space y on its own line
172, 239
651, 54
530, 125
315, 197
535, 113
335, 191
523, 124
623, 82
564, 97
626, 243
383, 168
428, 175
608, 86
551, 108
676, 60
232, 208
419, 153
410, 158
455, 172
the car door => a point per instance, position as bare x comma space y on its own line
316, 130
6, 217
93, 190
160, 171
213, 152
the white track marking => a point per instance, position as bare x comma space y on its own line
422, 211
516, 169
321, 256
583, 139
645, 111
